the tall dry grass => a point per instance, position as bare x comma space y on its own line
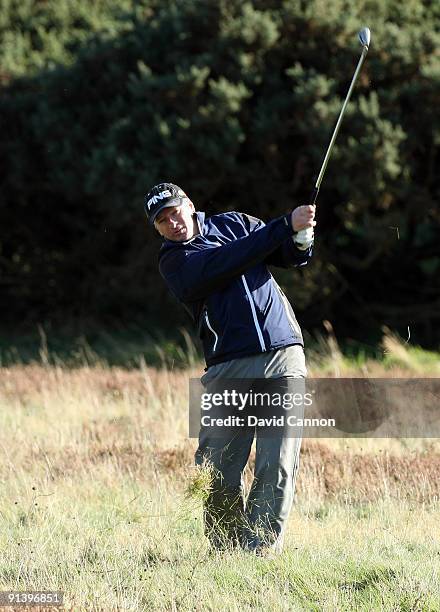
59, 423
94, 466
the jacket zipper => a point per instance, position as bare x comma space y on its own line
213, 331
254, 314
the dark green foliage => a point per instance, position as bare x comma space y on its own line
235, 101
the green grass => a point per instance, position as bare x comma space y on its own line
114, 347
109, 544
128, 347
419, 359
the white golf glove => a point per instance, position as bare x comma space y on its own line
304, 238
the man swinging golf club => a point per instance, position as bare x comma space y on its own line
217, 267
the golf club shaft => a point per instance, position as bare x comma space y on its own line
336, 130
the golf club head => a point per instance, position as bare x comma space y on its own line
365, 37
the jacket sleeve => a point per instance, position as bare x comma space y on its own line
192, 275
287, 255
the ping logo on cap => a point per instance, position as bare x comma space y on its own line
160, 196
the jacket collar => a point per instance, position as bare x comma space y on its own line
200, 218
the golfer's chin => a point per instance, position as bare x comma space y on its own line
180, 237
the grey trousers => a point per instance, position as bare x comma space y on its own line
259, 521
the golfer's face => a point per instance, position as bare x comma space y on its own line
176, 223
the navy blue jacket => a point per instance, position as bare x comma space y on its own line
221, 277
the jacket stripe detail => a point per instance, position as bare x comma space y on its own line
254, 315
213, 331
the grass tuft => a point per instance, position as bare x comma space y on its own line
200, 483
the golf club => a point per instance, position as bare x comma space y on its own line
364, 35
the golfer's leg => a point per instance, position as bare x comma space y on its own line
271, 496
224, 507
276, 467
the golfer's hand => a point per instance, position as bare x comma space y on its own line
303, 217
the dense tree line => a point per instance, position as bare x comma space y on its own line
235, 101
